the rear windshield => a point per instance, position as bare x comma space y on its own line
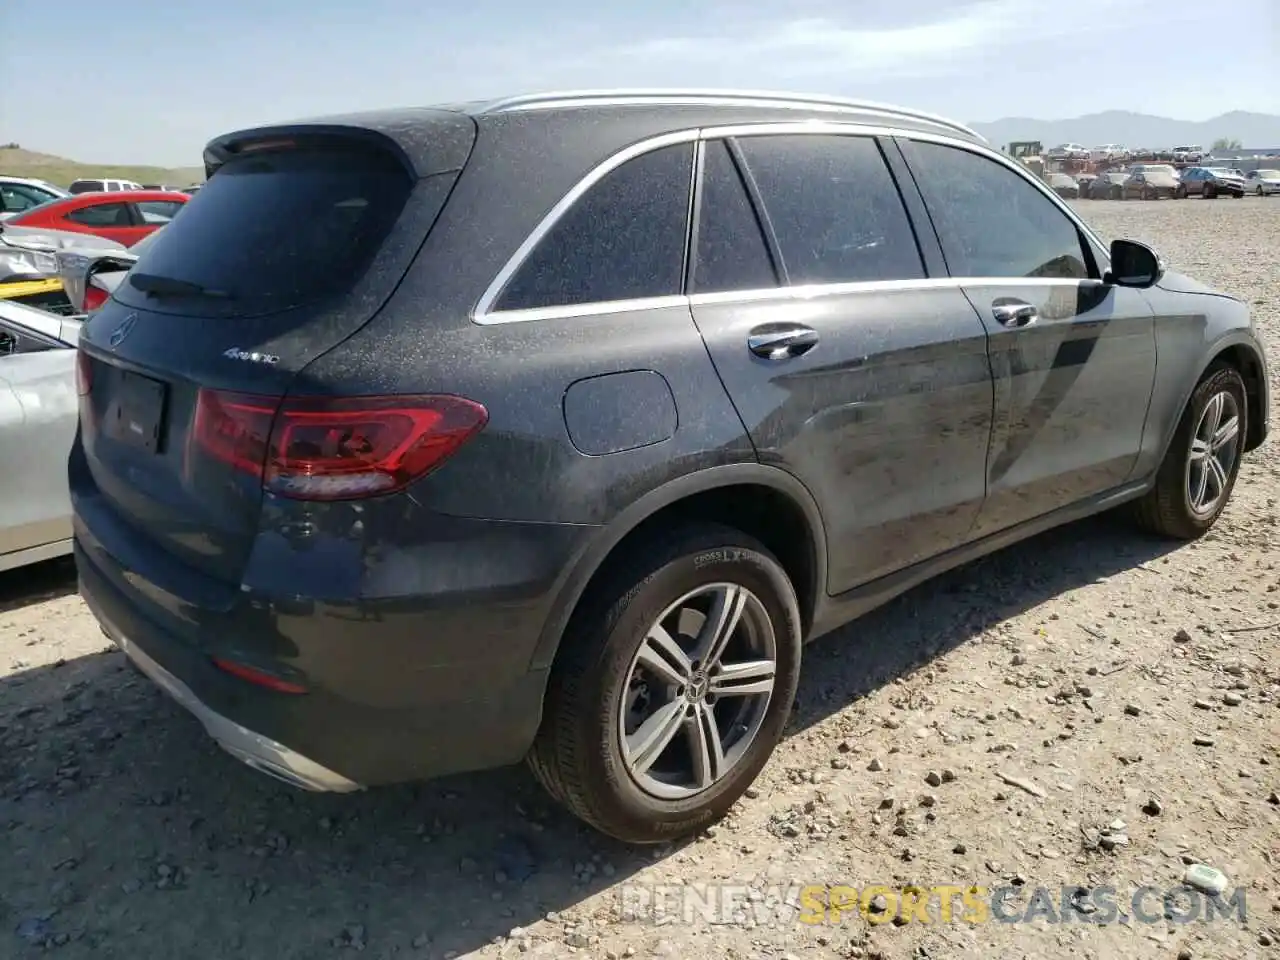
271, 232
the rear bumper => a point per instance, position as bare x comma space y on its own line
261, 753
398, 689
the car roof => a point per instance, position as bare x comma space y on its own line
104, 196
619, 116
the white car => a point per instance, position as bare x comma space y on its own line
1069, 151
1191, 154
1108, 151
1264, 183
18, 194
103, 185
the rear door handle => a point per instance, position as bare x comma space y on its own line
778, 341
1014, 313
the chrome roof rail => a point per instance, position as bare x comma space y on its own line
713, 97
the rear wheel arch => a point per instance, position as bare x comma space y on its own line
767, 503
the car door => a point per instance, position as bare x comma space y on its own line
1074, 358
37, 425
112, 220
850, 368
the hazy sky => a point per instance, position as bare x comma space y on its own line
150, 81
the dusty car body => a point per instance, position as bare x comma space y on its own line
37, 425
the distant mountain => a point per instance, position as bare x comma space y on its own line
1253, 130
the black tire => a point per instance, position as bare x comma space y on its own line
1181, 192
1210, 192
1166, 509
577, 755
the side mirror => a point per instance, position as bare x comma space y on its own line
1133, 264
8, 343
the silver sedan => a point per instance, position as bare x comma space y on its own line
38, 412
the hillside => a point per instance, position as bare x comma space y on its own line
18, 162
1253, 130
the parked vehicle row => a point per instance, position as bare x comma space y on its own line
110, 185
124, 218
1157, 181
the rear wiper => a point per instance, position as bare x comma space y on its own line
157, 286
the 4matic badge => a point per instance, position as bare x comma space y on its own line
250, 356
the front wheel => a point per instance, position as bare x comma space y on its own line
673, 686
1181, 193
1200, 467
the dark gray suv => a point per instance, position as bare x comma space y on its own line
551, 428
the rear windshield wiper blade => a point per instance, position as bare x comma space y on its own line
157, 286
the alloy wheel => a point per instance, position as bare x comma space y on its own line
697, 691
1214, 448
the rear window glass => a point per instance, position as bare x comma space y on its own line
271, 232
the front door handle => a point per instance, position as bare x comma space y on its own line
778, 341
1014, 313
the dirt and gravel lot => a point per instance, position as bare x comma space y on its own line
987, 729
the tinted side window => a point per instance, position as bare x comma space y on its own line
87, 186
731, 252
102, 215
158, 211
834, 208
15, 340
993, 222
622, 240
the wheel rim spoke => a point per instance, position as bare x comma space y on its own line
654, 736
706, 746
1213, 415
1202, 486
726, 612
1219, 476
750, 677
1226, 433
662, 656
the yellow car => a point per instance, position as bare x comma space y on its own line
45, 293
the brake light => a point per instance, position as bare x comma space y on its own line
327, 448
94, 297
84, 373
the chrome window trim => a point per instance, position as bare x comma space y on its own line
484, 314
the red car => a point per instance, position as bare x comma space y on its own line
123, 217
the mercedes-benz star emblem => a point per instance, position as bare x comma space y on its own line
122, 331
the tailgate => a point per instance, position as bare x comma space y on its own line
285, 253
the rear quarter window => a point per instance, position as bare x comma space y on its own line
276, 231
623, 240
102, 215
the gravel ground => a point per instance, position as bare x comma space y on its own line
988, 730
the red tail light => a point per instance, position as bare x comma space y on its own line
325, 448
84, 373
94, 297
